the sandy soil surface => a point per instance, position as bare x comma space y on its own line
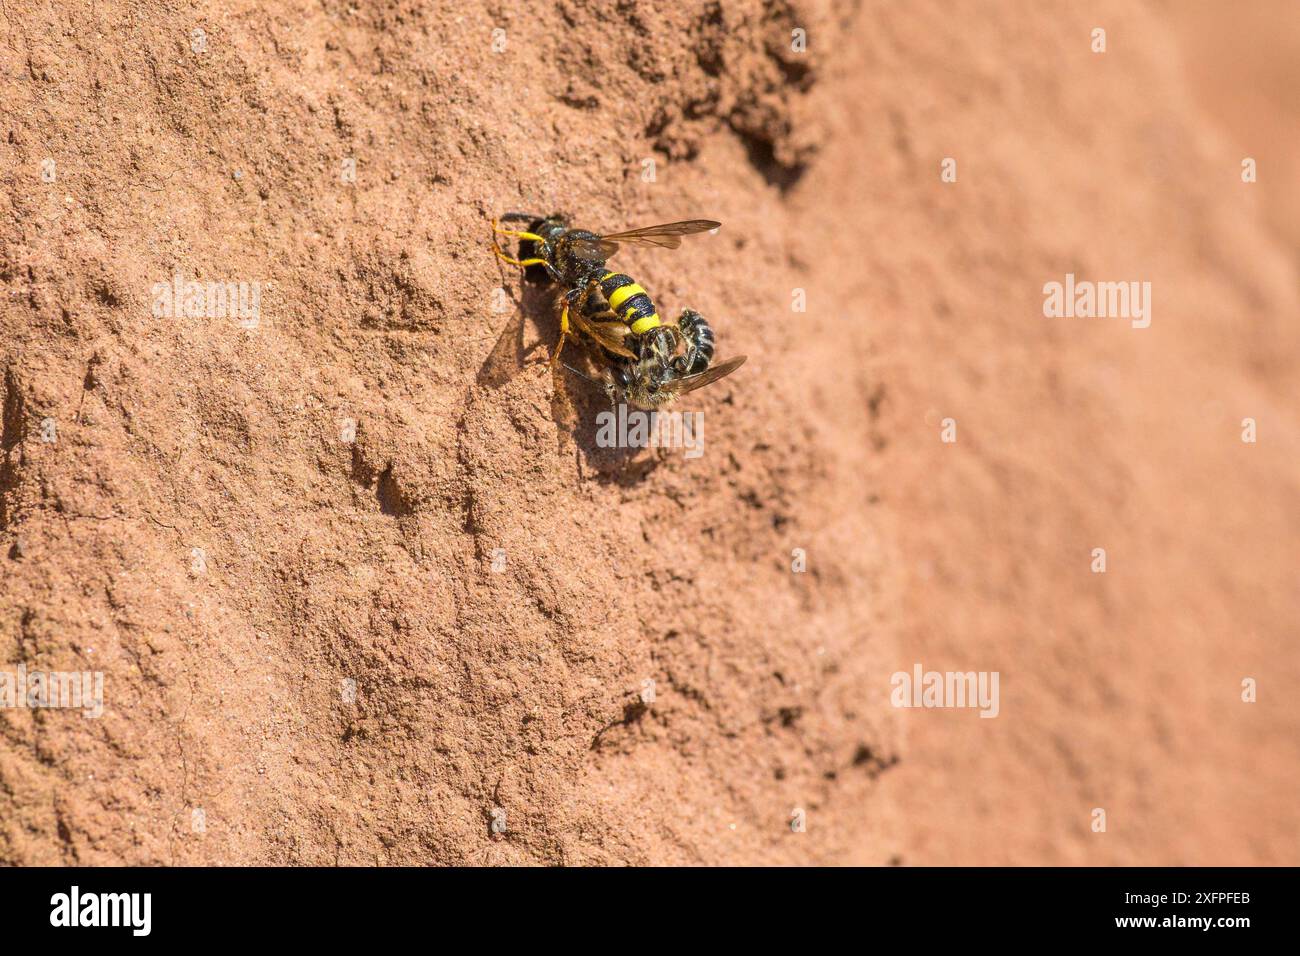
364, 589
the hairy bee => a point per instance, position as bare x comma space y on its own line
659, 378
647, 361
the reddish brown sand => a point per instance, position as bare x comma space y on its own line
515, 695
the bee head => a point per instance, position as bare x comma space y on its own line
644, 383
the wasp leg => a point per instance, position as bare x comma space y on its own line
564, 332
522, 263
496, 227
575, 300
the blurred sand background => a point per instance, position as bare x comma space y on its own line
340, 676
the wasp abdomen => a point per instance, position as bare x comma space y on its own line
630, 301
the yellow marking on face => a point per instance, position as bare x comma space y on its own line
623, 293
641, 326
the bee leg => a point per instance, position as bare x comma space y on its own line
611, 390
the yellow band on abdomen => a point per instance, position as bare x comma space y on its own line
641, 326
623, 293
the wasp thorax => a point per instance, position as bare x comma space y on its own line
577, 259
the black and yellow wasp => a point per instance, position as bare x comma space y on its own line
647, 361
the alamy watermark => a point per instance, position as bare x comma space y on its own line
1102, 300
942, 689
130, 910
633, 428
185, 299
42, 689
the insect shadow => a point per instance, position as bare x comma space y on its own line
586, 411
577, 397
509, 354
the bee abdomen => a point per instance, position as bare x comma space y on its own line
630, 301
699, 341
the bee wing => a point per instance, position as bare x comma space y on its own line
690, 383
667, 236
594, 248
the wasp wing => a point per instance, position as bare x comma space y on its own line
690, 383
610, 335
667, 235
599, 249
